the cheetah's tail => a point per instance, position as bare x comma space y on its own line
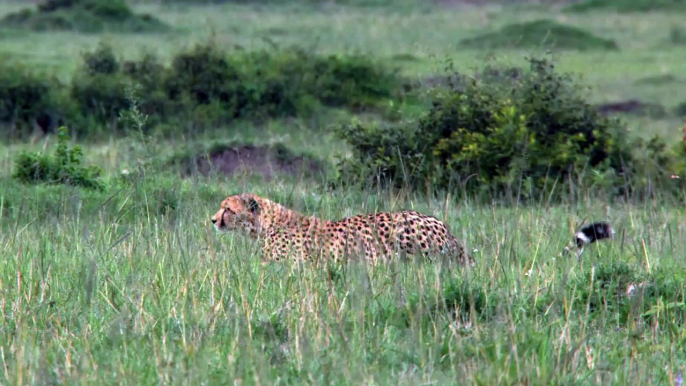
589, 234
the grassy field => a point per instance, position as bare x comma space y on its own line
133, 286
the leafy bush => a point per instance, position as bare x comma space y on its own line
204, 86
350, 81
101, 96
64, 167
206, 75
101, 61
277, 82
212, 86
518, 133
25, 98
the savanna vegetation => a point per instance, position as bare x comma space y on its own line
124, 124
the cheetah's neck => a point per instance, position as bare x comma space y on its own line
278, 217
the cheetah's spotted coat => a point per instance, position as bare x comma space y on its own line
285, 232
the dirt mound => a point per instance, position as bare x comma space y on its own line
85, 16
633, 106
246, 159
658, 80
540, 34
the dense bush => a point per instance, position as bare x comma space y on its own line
204, 85
277, 82
64, 167
26, 98
516, 133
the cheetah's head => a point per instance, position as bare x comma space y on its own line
238, 212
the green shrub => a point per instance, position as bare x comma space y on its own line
25, 98
352, 81
205, 75
101, 61
148, 71
99, 88
271, 83
204, 86
276, 83
64, 167
102, 97
515, 135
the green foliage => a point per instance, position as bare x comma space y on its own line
99, 88
63, 167
347, 81
628, 6
516, 133
275, 83
540, 34
204, 85
86, 16
100, 96
101, 61
205, 76
26, 98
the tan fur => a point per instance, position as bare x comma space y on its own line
287, 233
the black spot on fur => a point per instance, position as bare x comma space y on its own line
253, 206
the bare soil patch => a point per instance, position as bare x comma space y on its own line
247, 159
632, 106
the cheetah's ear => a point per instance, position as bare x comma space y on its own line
253, 205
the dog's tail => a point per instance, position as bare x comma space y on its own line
589, 234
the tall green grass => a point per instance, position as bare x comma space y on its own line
134, 286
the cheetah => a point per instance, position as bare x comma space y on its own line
378, 236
